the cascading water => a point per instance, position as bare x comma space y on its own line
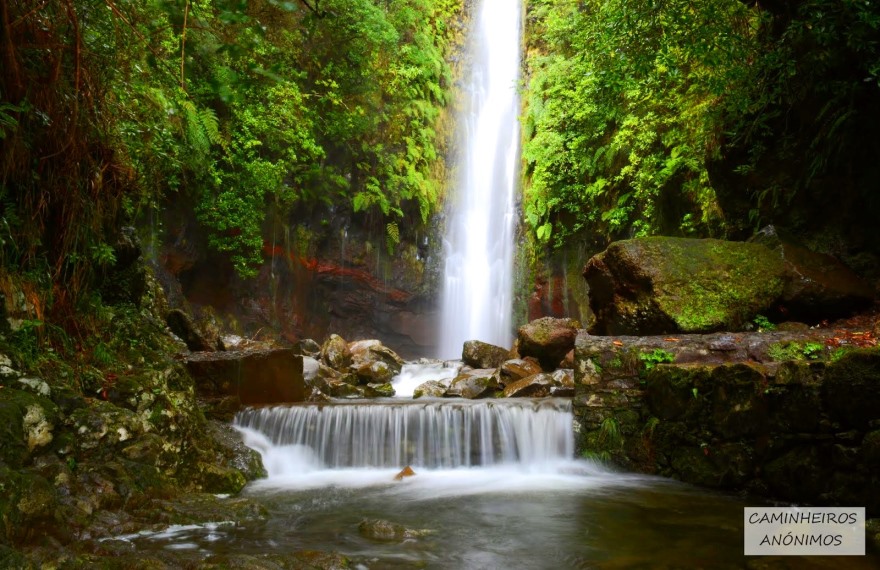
478, 275
436, 434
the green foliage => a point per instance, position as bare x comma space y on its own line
655, 357
763, 323
650, 426
624, 106
247, 110
791, 350
609, 433
813, 350
644, 117
392, 236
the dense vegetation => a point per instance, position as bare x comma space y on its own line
699, 118
111, 107
114, 110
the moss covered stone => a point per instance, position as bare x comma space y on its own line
852, 388
660, 285
27, 424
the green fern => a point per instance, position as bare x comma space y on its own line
392, 236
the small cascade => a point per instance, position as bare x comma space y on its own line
414, 375
434, 434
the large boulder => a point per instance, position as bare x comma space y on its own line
548, 340
269, 376
479, 354
662, 285
817, 286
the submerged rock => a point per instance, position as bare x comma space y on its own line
378, 529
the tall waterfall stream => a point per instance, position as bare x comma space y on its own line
479, 243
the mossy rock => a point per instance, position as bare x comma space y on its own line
27, 423
27, 504
661, 285
14, 560
803, 471
673, 392
738, 405
852, 388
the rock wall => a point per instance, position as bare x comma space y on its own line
793, 416
321, 273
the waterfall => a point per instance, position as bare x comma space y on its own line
434, 434
479, 243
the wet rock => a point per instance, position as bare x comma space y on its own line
430, 389
548, 340
340, 389
307, 347
473, 384
335, 352
235, 453
377, 529
536, 386
376, 372
266, 376
517, 369
479, 354
662, 285
405, 472
369, 351
184, 327
376, 390
817, 286
28, 502
199, 508
318, 397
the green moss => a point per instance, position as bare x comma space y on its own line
791, 350
709, 284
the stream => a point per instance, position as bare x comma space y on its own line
502, 491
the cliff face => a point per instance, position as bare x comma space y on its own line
319, 275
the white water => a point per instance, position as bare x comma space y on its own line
414, 375
479, 245
432, 434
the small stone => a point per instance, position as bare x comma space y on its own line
405, 472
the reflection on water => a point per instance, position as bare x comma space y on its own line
573, 515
